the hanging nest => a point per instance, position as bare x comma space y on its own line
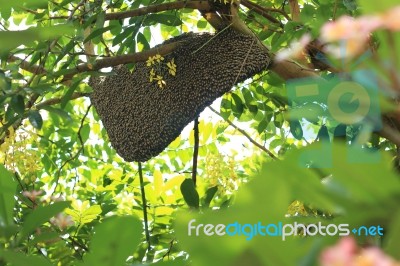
142, 118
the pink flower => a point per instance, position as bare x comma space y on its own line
295, 49
348, 28
352, 35
32, 195
343, 28
346, 48
346, 253
62, 221
375, 257
342, 254
391, 19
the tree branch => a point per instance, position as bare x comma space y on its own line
76, 155
201, 5
144, 202
294, 10
54, 101
389, 131
119, 60
35, 69
195, 150
264, 11
288, 69
244, 133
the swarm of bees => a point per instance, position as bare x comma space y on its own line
142, 119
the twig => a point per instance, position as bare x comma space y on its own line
81, 149
389, 133
171, 244
81, 245
244, 61
334, 10
144, 202
244, 133
54, 101
195, 150
81, 3
202, 5
26, 65
263, 11
289, 69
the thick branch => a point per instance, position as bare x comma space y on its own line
214, 19
289, 69
294, 10
121, 59
201, 5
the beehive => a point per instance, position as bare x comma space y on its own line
142, 119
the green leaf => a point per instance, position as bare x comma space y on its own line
142, 39
44, 237
189, 193
13, 39
113, 241
70, 45
22, 259
392, 241
323, 134
350, 4
262, 126
278, 120
225, 108
295, 129
168, 19
35, 118
238, 104
340, 132
201, 24
83, 214
61, 113
90, 214
85, 132
124, 34
97, 33
7, 201
5, 83
210, 193
371, 7
100, 20
65, 99
41, 215
18, 104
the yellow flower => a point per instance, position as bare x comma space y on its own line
150, 61
152, 74
161, 83
171, 67
155, 58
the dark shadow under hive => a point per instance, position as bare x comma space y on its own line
142, 119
